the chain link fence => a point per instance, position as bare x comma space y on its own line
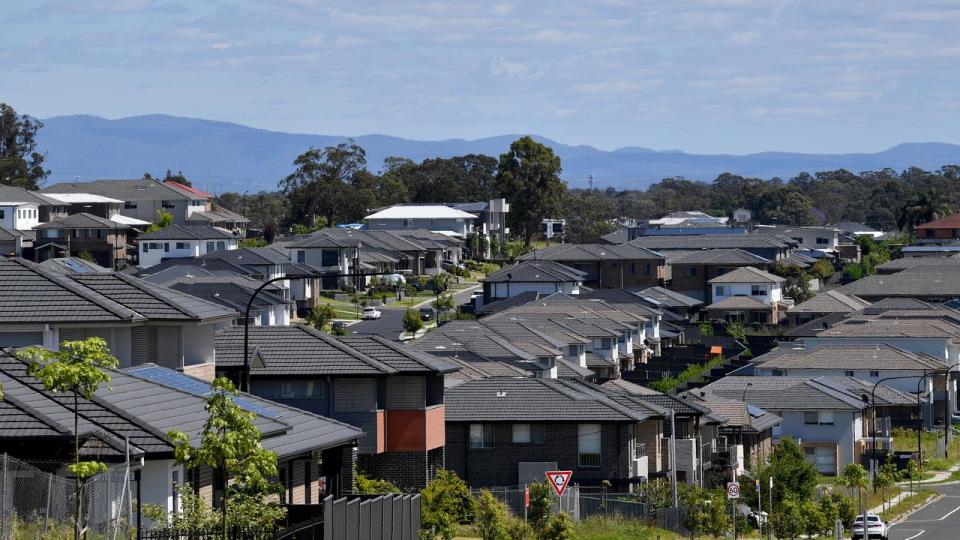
35, 503
515, 499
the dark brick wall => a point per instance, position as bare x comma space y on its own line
405, 469
497, 466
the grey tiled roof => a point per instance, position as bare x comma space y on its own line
727, 256
249, 256
918, 282
593, 252
739, 302
18, 194
125, 190
830, 302
788, 393
508, 399
149, 300
301, 350
72, 265
881, 356
660, 296
220, 215
905, 263
535, 271
736, 414
713, 241
188, 232
82, 221
680, 407
747, 274
231, 292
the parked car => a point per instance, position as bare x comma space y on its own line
338, 325
877, 528
370, 313
426, 314
448, 263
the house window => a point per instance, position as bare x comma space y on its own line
874, 373
210, 247
757, 290
3, 214
848, 373
221, 245
301, 256
166, 247
146, 247
822, 241
183, 245
692, 271
719, 290
779, 372
88, 233
329, 257
826, 418
406, 223
167, 204
588, 445
355, 394
528, 433
811, 418
130, 205
481, 435
289, 389
633, 268
646, 268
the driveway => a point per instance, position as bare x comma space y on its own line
390, 325
939, 520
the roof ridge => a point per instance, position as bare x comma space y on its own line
80, 290
343, 347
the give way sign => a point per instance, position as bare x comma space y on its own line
559, 480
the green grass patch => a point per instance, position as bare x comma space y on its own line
907, 505
599, 528
905, 440
691, 373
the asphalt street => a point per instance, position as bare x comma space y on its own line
390, 325
939, 520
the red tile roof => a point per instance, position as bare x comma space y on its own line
949, 222
188, 189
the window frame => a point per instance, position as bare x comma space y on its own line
589, 455
487, 434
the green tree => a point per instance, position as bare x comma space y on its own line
440, 282
812, 518
922, 207
854, 476
445, 502
793, 475
374, 486
87, 256
78, 367
178, 178
560, 527
164, 220
443, 304
492, 517
321, 315
886, 477
21, 164
822, 269
230, 444
787, 520
529, 177
412, 321
541, 507
320, 182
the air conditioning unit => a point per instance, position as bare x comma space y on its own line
638, 467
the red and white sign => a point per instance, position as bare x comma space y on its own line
559, 480
322, 485
526, 497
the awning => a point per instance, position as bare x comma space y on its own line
124, 220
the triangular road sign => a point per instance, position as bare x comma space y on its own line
559, 480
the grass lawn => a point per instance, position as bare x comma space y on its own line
597, 528
344, 310
906, 441
907, 504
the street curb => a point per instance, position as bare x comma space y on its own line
902, 518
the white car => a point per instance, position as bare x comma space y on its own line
370, 313
877, 528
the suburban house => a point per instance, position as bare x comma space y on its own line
823, 239
270, 307
661, 298
183, 241
869, 363
11, 243
943, 230
101, 238
906, 263
394, 393
432, 217
545, 277
746, 434
140, 321
830, 302
772, 247
145, 403
492, 221
351, 251
690, 272
855, 230
821, 413
747, 295
931, 283
68, 204
215, 216
508, 431
142, 198
694, 429
606, 265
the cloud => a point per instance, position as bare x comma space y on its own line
502, 67
316, 41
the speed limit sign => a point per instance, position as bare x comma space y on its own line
733, 490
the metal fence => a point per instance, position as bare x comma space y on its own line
620, 505
38, 503
514, 499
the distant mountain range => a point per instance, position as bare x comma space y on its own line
222, 156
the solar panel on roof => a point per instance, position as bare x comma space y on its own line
178, 381
755, 412
75, 266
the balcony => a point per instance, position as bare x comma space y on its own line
415, 430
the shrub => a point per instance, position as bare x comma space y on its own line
321, 315
540, 509
822, 269
412, 321
373, 486
852, 271
445, 502
492, 517
559, 528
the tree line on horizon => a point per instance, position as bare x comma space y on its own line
334, 185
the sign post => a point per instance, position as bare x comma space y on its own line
733, 493
526, 502
770, 511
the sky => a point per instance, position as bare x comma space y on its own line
704, 76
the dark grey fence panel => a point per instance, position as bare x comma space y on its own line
352, 522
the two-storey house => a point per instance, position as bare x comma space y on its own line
183, 241
70, 236
747, 295
690, 272
607, 265
143, 198
395, 394
544, 277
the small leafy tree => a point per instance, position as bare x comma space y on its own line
812, 518
164, 220
443, 304
374, 486
230, 444
822, 269
321, 315
412, 321
787, 521
86, 255
492, 517
441, 282
540, 509
886, 477
830, 511
560, 527
795, 477
445, 502
854, 476
78, 367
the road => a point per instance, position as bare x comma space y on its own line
939, 520
390, 325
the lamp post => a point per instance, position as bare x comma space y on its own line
245, 379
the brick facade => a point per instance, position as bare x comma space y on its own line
498, 466
408, 470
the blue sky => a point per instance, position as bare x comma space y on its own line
705, 76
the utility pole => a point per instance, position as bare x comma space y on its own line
770, 510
